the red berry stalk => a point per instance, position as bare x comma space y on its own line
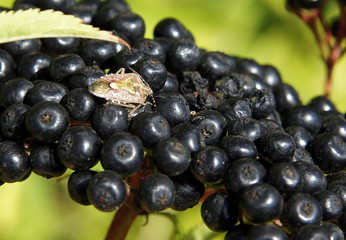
331, 47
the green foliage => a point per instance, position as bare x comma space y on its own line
33, 23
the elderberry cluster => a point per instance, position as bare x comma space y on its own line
219, 129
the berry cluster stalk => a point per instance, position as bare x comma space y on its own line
331, 48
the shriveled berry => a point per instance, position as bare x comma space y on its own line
188, 191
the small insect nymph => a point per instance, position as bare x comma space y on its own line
124, 89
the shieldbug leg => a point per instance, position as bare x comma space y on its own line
121, 71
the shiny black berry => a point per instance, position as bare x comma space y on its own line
20, 48
107, 191
63, 66
238, 147
172, 28
285, 97
46, 91
153, 71
84, 76
171, 156
12, 121
46, 121
261, 202
14, 162
219, 212
77, 186
211, 124
303, 116
60, 45
44, 161
156, 192
243, 173
108, 119
96, 52
266, 231
329, 152
7, 66
286, 178
301, 209
34, 66
173, 106
15, 91
150, 127
183, 55
79, 147
129, 24
80, 104
209, 164
190, 135
277, 146
123, 153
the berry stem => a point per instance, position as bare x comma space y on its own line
330, 52
121, 223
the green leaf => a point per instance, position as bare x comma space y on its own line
33, 23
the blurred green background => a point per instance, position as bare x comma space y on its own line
263, 30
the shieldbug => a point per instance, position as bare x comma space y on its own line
124, 89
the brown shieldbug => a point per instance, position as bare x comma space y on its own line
124, 89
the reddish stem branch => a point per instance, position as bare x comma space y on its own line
121, 223
312, 19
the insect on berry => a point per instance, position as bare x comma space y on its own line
123, 89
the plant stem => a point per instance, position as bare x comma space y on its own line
330, 52
121, 223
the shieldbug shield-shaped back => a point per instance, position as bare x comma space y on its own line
124, 89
